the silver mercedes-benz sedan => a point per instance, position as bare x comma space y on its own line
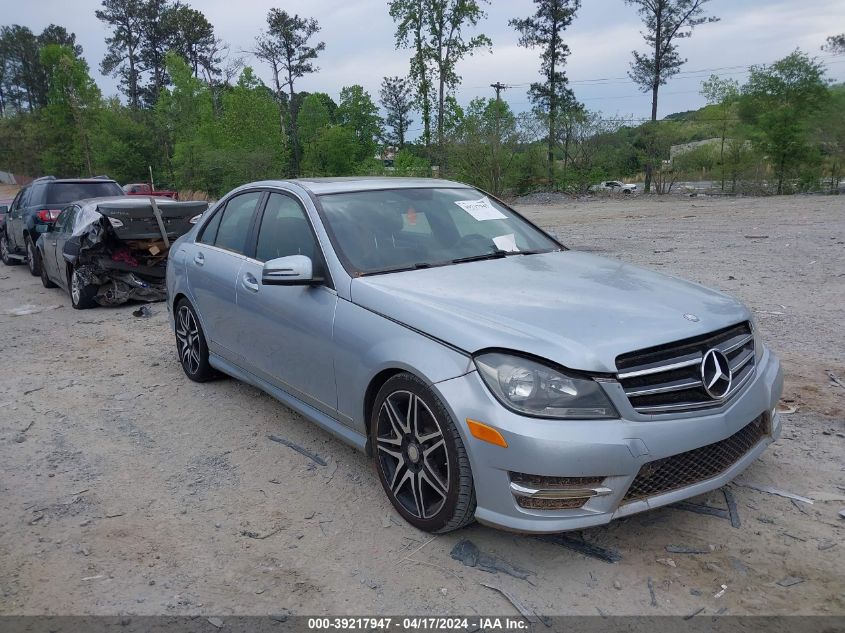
491, 373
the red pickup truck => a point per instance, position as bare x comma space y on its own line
144, 189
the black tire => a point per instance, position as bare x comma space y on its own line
33, 259
4, 251
412, 461
81, 294
191, 346
45, 280
627, 192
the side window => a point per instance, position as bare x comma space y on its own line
36, 195
209, 231
62, 222
73, 213
236, 221
18, 203
284, 230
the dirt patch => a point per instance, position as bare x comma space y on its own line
161, 496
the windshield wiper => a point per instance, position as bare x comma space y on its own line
497, 254
398, 269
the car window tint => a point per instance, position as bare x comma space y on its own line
64, 192
25, 196
62, 220
71, 220
209, 231
236, 222
284, 230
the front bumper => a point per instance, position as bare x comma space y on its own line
614, 450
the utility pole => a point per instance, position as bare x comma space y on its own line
497, 167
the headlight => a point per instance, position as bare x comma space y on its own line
529, 387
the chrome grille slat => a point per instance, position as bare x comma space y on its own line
667, 378
733, 346
740, 361
676, 385
659, 369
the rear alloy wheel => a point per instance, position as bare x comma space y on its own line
45, 280
32, 258
191, 345
4, 251
420, 458
81, 294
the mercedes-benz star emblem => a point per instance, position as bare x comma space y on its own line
691, 317
716, 374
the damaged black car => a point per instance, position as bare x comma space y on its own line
107, 251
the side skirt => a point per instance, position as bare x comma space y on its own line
338, 429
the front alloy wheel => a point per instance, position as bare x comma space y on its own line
191, 345
420, 458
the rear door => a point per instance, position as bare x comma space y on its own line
48, 244
61, 238
213, 262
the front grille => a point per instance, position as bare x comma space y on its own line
667, 378
700, 464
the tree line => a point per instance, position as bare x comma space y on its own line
197, 114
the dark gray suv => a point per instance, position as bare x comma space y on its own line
37, 206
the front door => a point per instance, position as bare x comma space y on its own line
213, 263
287, 330
14, 222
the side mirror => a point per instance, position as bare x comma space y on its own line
293, 270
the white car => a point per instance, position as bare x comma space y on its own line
614, 186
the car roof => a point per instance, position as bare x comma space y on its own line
324, 186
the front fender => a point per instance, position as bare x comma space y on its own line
367, 344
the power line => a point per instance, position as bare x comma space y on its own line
682, 74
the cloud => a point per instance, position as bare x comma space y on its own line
360, 49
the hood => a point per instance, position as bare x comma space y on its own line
573, 308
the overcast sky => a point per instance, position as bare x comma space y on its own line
359, 45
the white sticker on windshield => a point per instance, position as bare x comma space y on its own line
481, 209
506, 243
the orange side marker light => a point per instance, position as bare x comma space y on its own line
486, 433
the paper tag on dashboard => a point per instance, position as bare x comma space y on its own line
506, 243
481, 209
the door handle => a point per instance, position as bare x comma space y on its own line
249, 282
199, 259
54, 243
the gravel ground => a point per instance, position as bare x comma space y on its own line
127, 489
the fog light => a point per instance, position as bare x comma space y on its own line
538, 492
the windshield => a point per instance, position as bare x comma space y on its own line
401, 229
64, 192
